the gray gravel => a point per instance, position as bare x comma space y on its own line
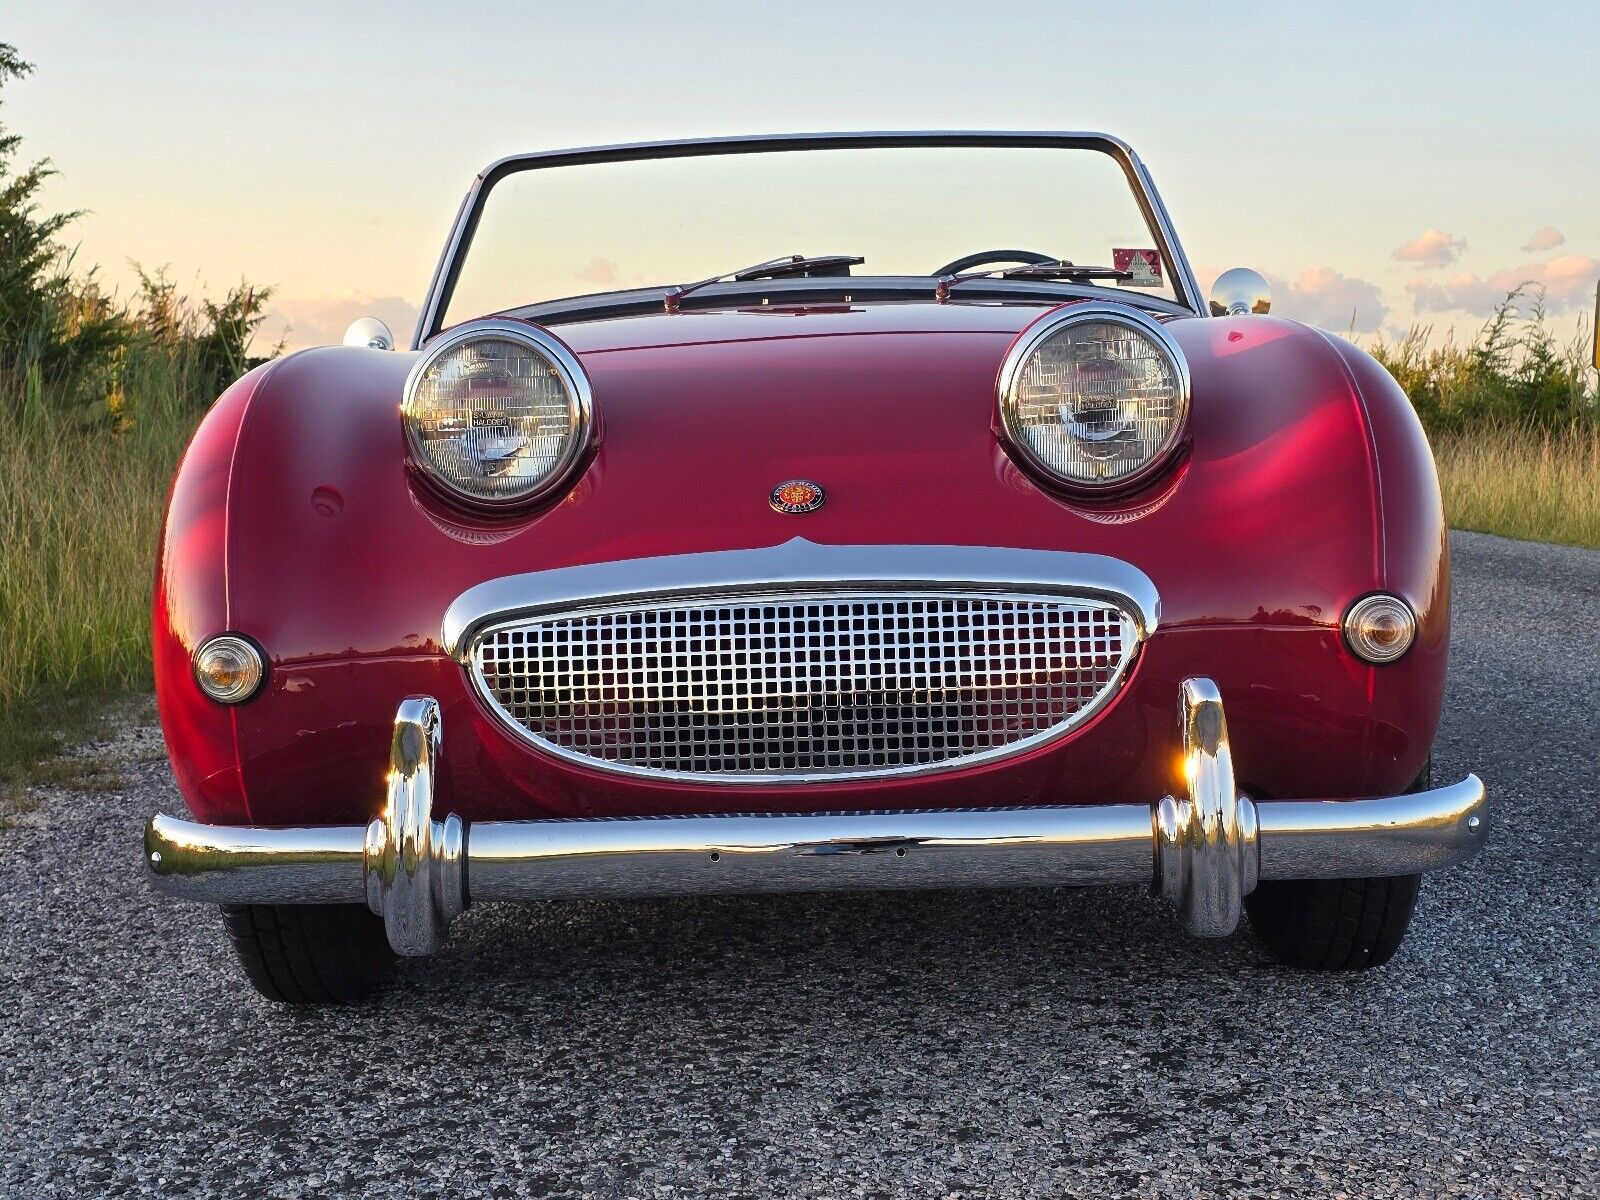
918, 1045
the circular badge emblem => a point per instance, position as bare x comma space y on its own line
796, 496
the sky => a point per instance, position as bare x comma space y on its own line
1383, 165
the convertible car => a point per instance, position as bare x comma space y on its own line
948, 537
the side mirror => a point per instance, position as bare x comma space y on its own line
1239, 292
369, 332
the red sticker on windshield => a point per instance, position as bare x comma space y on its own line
1143, 267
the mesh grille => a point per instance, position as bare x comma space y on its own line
839, 685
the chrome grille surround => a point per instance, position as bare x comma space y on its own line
772, 686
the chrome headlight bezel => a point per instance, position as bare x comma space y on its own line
1052, 325
569, 371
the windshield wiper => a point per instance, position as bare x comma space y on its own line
776, 268
1060, 269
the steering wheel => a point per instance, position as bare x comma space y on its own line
1024, 257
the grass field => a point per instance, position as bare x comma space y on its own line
1541, 485
79, 515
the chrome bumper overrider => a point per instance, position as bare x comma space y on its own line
1203, 851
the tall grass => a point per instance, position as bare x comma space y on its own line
1523, 481
1514, 417
79, 513
79, 510
86, 457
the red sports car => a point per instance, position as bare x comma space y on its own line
931, 560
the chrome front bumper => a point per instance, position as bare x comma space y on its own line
1204, 851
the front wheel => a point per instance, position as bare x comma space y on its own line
1335, 924
310, 953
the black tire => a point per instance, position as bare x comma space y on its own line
310, 953
1335, 924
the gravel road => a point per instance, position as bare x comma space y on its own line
917, 1045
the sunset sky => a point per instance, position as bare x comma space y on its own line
1382, 164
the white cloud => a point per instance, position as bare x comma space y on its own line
1322, 296
1547, 238
1430, 248
1568, 283
321, 320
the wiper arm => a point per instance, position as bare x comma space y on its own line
1060, 269
776, 268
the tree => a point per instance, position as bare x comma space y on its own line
49, 329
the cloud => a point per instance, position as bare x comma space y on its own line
1322, 296
1547, 238
601, 271
1431, 248
1568, 283
321, 320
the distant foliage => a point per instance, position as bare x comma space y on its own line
68, 348
1514, 372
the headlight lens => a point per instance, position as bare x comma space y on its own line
1095, 396
497, 411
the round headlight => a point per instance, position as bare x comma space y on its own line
1094, 395
497, 411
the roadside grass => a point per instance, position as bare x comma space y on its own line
81, 494
1521, 481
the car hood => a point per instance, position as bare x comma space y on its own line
765, 323
890, 408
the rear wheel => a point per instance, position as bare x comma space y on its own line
1335, 924
310, 953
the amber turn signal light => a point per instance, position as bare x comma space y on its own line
1380, 628
229, 668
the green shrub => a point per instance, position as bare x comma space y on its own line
1514, 372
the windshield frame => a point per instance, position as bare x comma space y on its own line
448, 271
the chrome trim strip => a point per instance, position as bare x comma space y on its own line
442, 285
564, 310
659, 856
799, 565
